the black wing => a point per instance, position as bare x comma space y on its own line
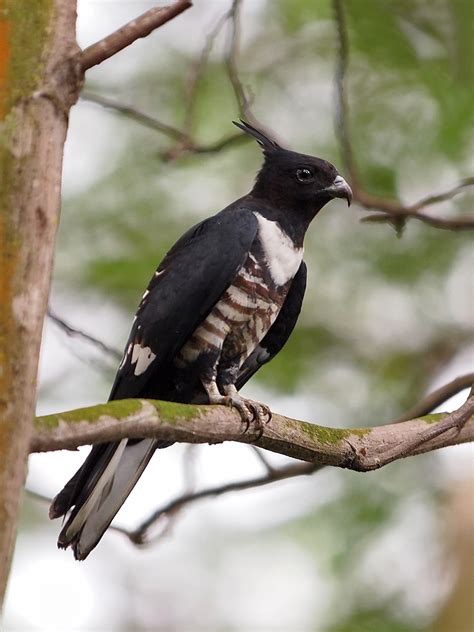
279, 332
189, 281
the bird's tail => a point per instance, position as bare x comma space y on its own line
98, 490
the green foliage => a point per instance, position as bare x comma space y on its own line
297, 14
376, 620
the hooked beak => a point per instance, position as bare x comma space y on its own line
339, 188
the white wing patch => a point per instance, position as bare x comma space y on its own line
281, 255
142, 357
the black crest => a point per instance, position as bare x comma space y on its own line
266, 143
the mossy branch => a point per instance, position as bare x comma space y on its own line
360, 449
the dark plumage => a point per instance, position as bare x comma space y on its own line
222, 303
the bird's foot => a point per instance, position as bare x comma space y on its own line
250, 412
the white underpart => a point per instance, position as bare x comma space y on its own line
210, 337
238, 295
143, 357
230, 312
281, 255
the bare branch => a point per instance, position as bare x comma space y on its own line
391, 211
141, 26
197, 71
141, 535
73, 332
342, 104
231, 60
442, 197
186, 145
190, 147
135, 114
438, 397
396, 213
167, 513
261, 457
454, 421
360, 449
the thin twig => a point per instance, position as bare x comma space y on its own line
391, 211
438, 397
141, 26
190, 147
442, 197
73, 332
231, 60
396, 213
197, 72
136, 115
342, 126
454, 421
168, 512
185, 144
139, 535
261, 457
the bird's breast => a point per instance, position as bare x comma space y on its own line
280, 255
243, 314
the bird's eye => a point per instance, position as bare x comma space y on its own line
304, 175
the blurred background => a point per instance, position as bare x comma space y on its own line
388, 317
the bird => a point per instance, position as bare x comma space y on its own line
221, 304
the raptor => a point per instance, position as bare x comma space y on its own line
221, 304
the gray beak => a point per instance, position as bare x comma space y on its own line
339, 188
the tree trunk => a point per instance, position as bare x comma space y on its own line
40, 78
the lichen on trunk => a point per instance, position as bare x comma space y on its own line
36, 39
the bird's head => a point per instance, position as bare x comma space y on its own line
295, 182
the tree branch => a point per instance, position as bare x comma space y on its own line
141, 535
135, 114
141, 26
391, 211
73, 332
197, 72
342, 126
360, 449
186, 145
231, 60
396, 213
438, 397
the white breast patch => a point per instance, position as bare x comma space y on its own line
281, 256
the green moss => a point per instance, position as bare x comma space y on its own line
170, 411
433, 418
119, 409
29, 31
330, 436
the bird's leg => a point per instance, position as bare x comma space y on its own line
250, 411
